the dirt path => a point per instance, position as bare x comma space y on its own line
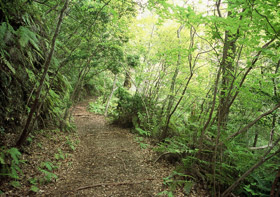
109, 162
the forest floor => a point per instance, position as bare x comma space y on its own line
107, 161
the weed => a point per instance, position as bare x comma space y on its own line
70, 143
10, 161
15, 184
34, 188
39, 145
97, 107
59, 155
140, 141
143, 133
46, 168
34, 183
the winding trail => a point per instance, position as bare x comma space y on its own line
109, 162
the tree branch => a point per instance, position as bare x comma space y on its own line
261, 161
248, 126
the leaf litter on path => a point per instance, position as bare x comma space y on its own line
109, 162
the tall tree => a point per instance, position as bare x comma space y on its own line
46, 66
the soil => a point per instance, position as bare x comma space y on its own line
109, 162
98, 159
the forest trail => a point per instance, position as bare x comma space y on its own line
109, 162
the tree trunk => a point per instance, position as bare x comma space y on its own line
110, 97
83, 72
255, 139
127, 80
275, 189
171, 97
46, 66
227, 77
263, 159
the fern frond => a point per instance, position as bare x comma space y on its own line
6, 62
15, 154
26, 36
5, 28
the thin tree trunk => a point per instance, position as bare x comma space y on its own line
256, 58
46, 65
256, 139
127, 80
201, 139
229, 53
172, 87
275, 189
158, 85
248, 172
179, 101
110, 97
81, 76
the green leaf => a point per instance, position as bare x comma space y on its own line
14, 152
15, 184
142, 132
13, 174
34, 188
26, 36
168, 193
143, 145
29, 139
2, 158
48, 166
56, 156
187, 187
9, 65
33, 181
5, 29
48, 175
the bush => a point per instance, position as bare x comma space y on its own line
129, 106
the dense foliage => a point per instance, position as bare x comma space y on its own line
201, 78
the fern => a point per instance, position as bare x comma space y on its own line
2, 158
10, 163
31, 75
15, 154
15, 184
5, 29
8, 64
142, 132
48, 165
26, 36
48, 175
